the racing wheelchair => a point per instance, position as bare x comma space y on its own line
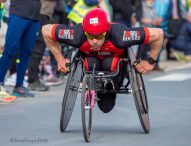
77, 75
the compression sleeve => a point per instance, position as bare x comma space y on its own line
70, 35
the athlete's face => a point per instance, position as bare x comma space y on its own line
96, 41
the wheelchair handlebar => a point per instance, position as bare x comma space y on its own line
102, 74
68, 64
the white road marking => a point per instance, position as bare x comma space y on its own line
179, 67
173, 77
188, 65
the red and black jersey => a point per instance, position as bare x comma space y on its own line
118, 39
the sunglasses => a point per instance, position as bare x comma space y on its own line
97, 37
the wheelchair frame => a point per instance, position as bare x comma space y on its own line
88, 95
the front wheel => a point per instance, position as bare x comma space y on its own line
86, 109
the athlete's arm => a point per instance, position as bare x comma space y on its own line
124, 37
54, 47
156, 40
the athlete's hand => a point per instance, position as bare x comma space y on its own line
144, 67
62, 65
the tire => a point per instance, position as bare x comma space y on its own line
70, 94
86, 112
140, 98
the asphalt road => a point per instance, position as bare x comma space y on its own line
35, 121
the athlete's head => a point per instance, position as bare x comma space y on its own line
96, 24
96, 21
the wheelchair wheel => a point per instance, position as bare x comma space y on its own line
86, 111
70, 94
140, 98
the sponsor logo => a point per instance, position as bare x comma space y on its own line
104, 53
131, 35
99, 53
66, 34
94, 20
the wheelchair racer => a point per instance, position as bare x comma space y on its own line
102, 43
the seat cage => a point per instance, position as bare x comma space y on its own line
107, 76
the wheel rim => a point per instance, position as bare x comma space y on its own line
86, 110
140, 99
71, 91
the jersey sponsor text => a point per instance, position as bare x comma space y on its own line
66, 34
131, 35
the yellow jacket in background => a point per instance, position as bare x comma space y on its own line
79, 11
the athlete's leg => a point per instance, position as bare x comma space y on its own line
107, 101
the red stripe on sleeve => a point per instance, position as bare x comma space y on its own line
53, 32
147, 35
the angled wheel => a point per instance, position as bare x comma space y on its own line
139, 92
140, 98
70, 94
86, 111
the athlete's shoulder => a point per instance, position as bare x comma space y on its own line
123, 36
71, 35
116, 32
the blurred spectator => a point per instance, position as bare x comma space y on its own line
1, 11
174, 23
20, 38
149, 15
4, 96
182, 41
124, 9
2, 33
162, 8
46, 12
60, 11
6, 11
11, 78
184, 7
48, 73
80, 9
148, 19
